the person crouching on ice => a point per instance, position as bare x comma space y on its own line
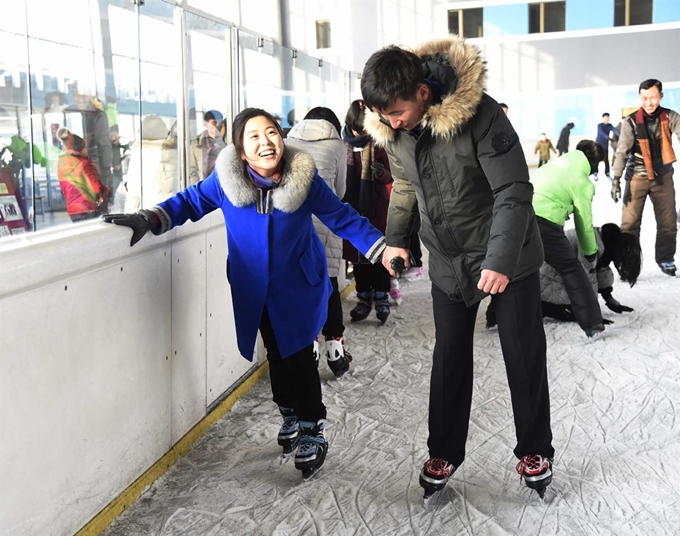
276, 264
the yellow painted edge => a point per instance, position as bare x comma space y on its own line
103, 519
348, 290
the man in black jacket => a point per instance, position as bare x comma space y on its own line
453, 150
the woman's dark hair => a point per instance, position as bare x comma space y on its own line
628, 257
327, 114
355, 116
390, 74
593, 151
238, 127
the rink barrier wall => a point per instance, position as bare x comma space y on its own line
103, 519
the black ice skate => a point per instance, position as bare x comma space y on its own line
338, 357
363, 308
594, 330
289, 435
668, 268
434, 475
312, 450
382, 306
536, 470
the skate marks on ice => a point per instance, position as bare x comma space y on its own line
617, 437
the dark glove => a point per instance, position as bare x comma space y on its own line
607, 322
615, 306
616, 189
592, 262
398, 265
377, 168
140, 222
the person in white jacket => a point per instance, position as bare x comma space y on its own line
152, 176
319, 135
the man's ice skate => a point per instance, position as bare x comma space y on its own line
382, 306
338, 357
313, 447
593, 330
536, 470
395, 290
434, 476
363, 308
289, 435
668, 268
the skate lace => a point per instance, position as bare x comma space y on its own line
529, 464
437, 465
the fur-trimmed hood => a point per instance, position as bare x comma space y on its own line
298, 176
459, 102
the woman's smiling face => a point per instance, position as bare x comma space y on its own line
262, 146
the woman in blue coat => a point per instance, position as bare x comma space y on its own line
276, 264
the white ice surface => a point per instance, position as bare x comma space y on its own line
614, 405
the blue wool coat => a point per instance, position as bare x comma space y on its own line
276, 260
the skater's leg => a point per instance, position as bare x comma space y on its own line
606, 160
284, 395
520, 328
631, 213
662, 194
380, 281
560, 255
451, 378
362, 277
334, 327
364, 288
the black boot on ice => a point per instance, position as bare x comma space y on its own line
338, 357
313, 448
382, 306
434, 475
363, 308
536, 470
289, 435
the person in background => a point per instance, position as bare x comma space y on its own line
453, 150
276, 265
205, 149
86, 197
368, 177
646, 148
614, 140
563, 141
152, 176
613, 246
543, 148
319, 135
604, 132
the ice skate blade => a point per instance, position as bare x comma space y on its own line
289, 447
313, 467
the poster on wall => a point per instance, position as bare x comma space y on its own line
4, 231
9, 209
12, 217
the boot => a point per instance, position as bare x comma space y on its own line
363, 308
337, 355
313, 448
289, 435
382, 306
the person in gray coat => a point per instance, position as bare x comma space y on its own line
319, 135
452, 148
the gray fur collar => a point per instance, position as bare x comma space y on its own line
298, 176
456, 109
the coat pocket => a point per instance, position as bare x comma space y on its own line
309, 270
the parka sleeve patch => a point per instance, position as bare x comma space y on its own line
502, 142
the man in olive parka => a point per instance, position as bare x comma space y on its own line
453, 150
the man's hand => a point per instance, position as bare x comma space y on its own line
616, 189
391, 252
492, 282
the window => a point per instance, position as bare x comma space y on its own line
467, 22
547, 17
323, 34
632, 12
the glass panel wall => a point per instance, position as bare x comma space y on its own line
110, 106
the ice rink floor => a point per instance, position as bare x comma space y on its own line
614, 405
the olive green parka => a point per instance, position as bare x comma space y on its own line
467, 171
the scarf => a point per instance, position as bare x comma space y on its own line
667, 154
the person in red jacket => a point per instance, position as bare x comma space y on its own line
79, 179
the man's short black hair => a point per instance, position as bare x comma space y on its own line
593, 151
650, 83
391, 73
606, 114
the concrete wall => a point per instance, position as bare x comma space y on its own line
109, 355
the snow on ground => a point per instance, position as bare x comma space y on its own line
614, 414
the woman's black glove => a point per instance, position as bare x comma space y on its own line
377, 168
592, 262
140, 222
615, 306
